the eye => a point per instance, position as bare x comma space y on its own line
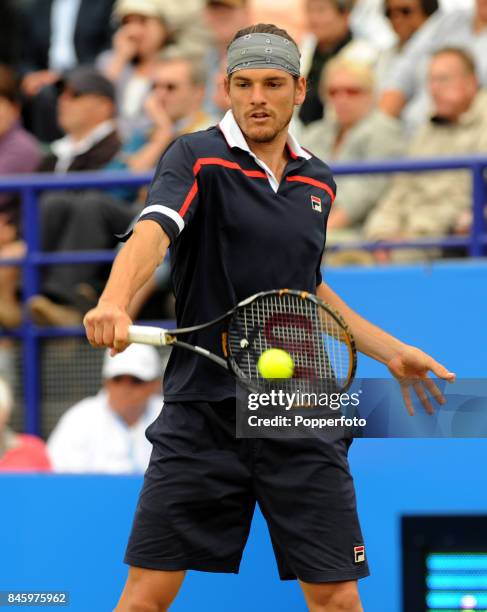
242, 84
274, 84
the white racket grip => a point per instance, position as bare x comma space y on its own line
144, 334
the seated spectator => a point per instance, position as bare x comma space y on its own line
86, 112
352, 130
92, 220
58, 35
430, 204
18, 452
19, 152
106, 433
408, 81
328, 23
142, 32
223, 18
407, 18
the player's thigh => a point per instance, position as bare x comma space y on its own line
306, 493
332, 596
149, 590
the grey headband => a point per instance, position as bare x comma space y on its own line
260, 50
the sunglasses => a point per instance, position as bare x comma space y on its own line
332, 92
163, 85
133, 380
403, 11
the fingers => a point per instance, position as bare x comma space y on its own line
434, 391
107, 326
440, 371
406, 396
423, 398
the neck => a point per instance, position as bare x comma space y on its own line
82, 133
273, 154
479, 23
133, 415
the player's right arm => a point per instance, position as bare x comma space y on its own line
107, 324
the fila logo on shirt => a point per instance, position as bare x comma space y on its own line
359, 554
316, 203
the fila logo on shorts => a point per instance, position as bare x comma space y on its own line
316, 203
359, 554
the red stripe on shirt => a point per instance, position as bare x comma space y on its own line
315, 183
189, 198
218, 161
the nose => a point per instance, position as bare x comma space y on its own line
257, 97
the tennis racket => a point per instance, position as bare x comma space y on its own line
316, 337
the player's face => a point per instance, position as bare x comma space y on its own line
452, 87
263, 101
348, 97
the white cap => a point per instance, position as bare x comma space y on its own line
137, 360
149, 8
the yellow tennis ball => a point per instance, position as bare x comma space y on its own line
275, 363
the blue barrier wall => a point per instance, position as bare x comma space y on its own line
69, 533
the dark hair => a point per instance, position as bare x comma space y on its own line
427, 6
262, 28
8, 84
465, 57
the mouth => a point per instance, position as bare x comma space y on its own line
260, 116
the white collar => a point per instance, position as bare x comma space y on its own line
67, 149
235, 138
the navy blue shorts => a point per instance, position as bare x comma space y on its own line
202, 484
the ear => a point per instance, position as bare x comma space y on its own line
300, 91
226, 85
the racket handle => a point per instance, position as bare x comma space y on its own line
144, 334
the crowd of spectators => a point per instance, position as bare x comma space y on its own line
109, 85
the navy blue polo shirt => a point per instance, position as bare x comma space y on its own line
234, 231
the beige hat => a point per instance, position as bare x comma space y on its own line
137, 360
149, 8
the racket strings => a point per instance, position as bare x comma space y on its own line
315, 339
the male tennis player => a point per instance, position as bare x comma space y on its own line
244, 209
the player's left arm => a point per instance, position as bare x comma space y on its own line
410, 365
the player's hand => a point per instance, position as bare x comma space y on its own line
411, 367
107, 326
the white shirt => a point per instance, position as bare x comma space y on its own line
91, 437
66, 149
62, 54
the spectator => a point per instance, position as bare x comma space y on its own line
352, 130
106, 433
142, 32
58, 36
367, 21
329, 26
18, 452
93, 220
430, 204
223, 18
407, 17
19, 152
408, 81
86, 112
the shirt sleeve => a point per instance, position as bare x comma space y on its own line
173, 195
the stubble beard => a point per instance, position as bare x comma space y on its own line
266, 135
